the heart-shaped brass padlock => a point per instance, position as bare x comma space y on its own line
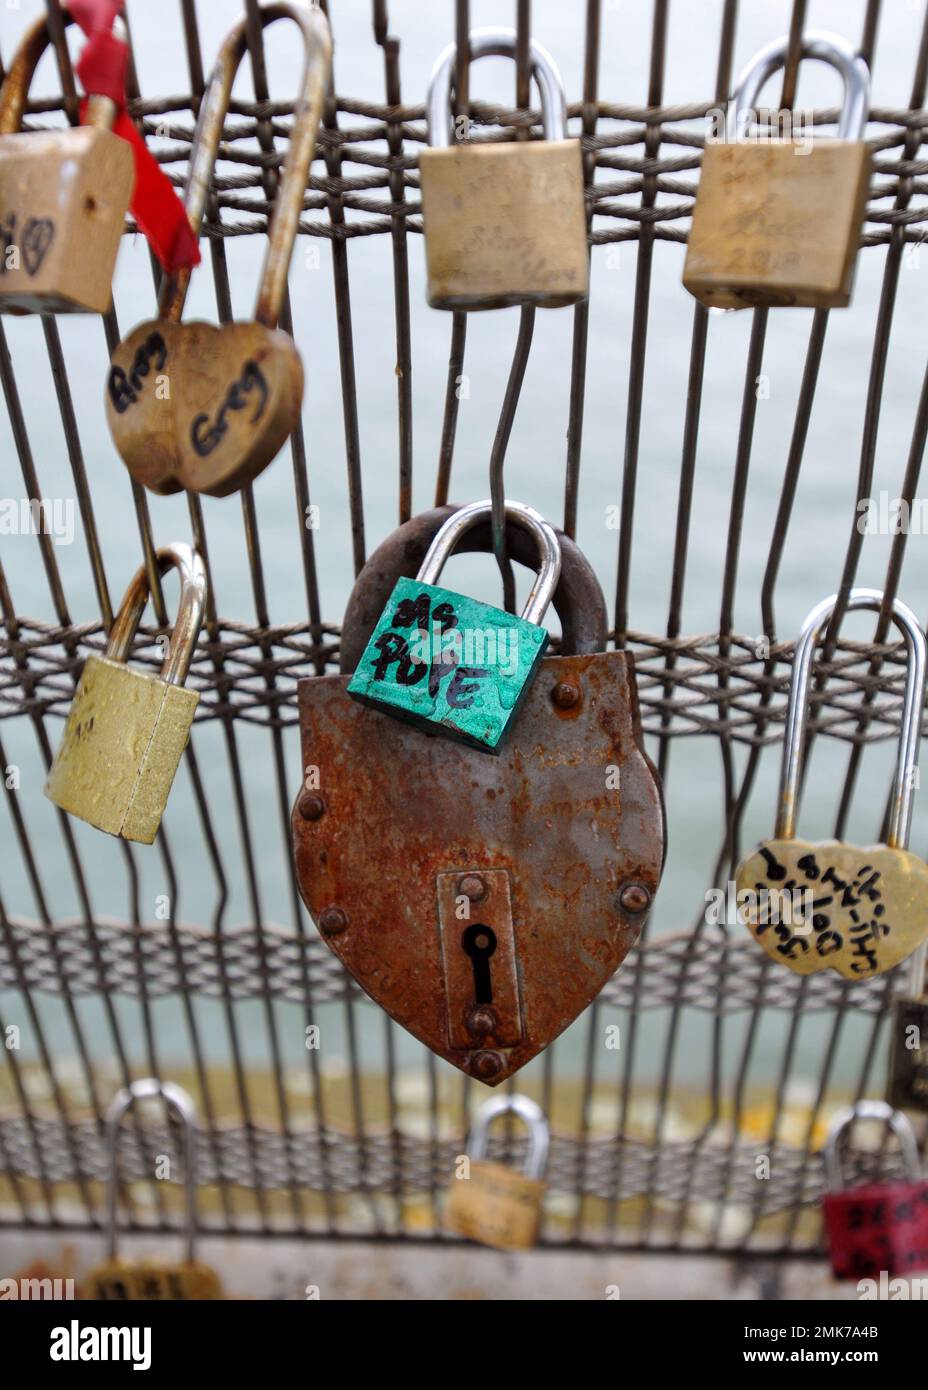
202, 407
482, 901
833, 905
207, 407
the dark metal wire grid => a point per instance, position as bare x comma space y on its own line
286, 1177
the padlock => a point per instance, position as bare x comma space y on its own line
64, 195
144, 1279
127, 729
908, 1052
881, 1227
777, 221
493, 1204
833, 905
451, 664
488, 900
504, 223
203, 406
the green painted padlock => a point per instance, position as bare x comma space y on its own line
452, 664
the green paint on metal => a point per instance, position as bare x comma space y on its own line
448, 663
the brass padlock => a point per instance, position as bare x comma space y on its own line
504, 223
488, 900
203, 406
490, 1203
908, 1052
144, 1279
127, 729
64, 195
777, 221
833, 905
449, 663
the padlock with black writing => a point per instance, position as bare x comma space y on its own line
493, 1204
127, 729
148, 1280
833, 905
505, 223
908, 1051
452, 664
777, 220
879, 1227
203, 406
64, 195
486, 901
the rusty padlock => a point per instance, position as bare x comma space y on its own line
867, 907
504, 223
777, 221
126, 729
203, 406
880, 1227
490, 1203
146, 1279
64, 195
488, 900
449, 663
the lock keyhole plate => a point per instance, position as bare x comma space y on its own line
480, 942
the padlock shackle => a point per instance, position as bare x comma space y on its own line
827, 48
177, 1100
101, 111
500, 43
190, 611
797, 715
532, 1116
544, 535
288, 205
870, 1110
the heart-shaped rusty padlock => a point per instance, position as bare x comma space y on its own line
482, 901
833, 905
206, 407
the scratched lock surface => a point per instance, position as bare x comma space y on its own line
439, 657
477, 899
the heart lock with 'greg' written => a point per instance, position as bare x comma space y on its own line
483, 887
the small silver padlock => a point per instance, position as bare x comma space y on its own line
505, 222
495, 1205
147, 1280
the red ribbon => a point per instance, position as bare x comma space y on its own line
155, 206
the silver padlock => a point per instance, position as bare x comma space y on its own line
147, 1280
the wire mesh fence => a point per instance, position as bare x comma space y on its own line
196, 960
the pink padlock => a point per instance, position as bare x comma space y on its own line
880, 1227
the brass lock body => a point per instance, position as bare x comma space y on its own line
832, 905
492, 1204
486, 901
132, 1280
64, 195
127, 729
504, 223
235, 389
776, 222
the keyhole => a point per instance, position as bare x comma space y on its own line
480, 942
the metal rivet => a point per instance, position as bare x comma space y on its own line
566, 695
481, 1021
486, 1065
473, 887
333, 921
634, 898
311, 807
